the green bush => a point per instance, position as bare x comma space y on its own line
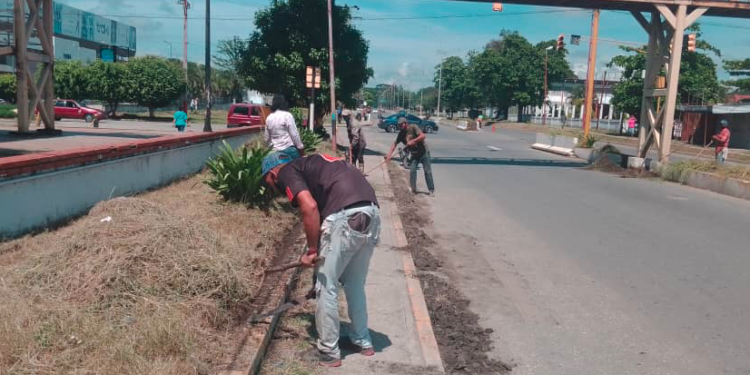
8, 87
587, 141
299, 116
236, 174
310, 139
7, 111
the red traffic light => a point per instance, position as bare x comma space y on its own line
691, 42
560, 42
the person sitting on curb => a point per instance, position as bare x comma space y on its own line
722, 142
414, 139
341, 219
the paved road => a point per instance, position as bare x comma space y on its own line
581, 272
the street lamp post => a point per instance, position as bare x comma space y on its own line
544, 101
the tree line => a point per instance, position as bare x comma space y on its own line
508, 72
149, 81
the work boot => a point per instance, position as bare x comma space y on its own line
315, 355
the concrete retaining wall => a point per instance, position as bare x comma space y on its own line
64, 185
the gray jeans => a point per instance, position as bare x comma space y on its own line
427, 166
347, 255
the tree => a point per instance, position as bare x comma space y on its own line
71, 80
107, 82
154, 82
738, 68
293, 34
230, 54
698, 80
454, 84
8, 87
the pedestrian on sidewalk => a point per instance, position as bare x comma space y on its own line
631, 126
347, 115
180, 120
722, 142
358, 148
281, 131
341, 218
414, 139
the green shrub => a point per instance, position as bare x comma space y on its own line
587, 141
7, 111
310, 139
236, 174
299, 116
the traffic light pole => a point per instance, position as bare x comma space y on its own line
590, 75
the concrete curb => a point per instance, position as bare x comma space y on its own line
718, 184
259, 353
427, 341
560, 145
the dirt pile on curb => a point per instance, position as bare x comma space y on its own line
154, 284
463, 343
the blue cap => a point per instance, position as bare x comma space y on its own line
724, 123
273, 160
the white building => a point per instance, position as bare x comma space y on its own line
78, 36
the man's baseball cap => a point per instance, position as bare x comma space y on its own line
724, 123
401, 120
273, 160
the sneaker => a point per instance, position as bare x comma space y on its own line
368, 351
325, 360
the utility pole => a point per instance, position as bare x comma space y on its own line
332, 76
440, 87
207, 122
421, 98
544, 101
185, 6
601, 99
590, 75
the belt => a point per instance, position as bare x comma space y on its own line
359, 204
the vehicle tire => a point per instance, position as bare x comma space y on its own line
429, 129
390, 129
88, 118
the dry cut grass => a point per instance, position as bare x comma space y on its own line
156, 290
679, 171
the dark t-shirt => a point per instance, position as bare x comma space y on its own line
411, 132
332, 182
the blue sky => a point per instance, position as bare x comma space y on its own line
406, 51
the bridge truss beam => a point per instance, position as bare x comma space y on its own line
666, 29
35, 91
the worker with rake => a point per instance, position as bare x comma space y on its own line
341, 219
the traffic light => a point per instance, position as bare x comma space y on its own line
497, 7
560, 42
575, 39
691, 42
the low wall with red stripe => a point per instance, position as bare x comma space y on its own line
40, 190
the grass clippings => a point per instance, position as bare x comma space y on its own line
153, 284
463, 343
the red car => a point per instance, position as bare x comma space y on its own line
65, 108
247, 114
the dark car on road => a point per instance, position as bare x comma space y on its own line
390, 123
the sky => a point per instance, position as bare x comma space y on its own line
408, 38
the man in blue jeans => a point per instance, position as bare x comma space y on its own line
414, 139
341, 219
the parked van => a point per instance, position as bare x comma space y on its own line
247, 114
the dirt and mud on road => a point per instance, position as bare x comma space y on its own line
463, 343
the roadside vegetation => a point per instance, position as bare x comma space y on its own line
153, 284
679, 171
8, 111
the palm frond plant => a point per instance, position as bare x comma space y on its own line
236, 175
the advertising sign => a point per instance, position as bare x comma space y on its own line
108, 55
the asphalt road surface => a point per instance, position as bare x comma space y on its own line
583, 272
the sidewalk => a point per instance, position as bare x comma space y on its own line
399, 321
